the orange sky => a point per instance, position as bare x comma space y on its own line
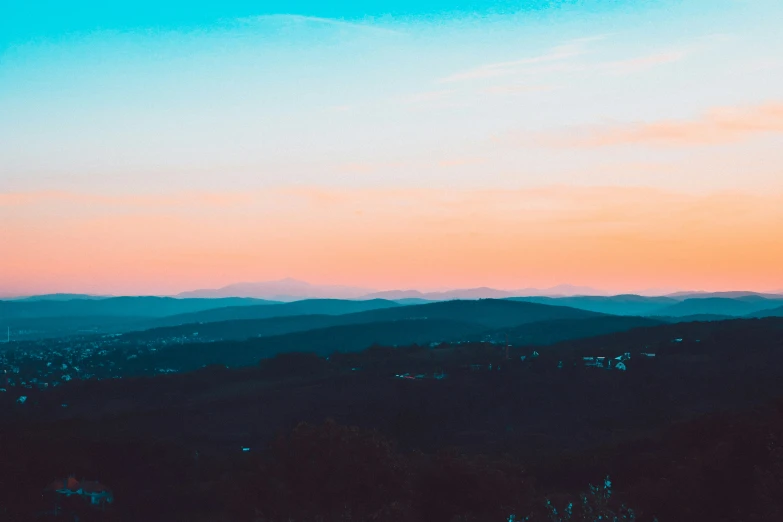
613, 238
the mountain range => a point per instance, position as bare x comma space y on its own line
61, 315
283, 290
289, 289
117, 306
239, 343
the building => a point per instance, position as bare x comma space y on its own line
94, 493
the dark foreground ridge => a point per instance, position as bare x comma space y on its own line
687, 428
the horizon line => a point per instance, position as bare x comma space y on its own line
369, 293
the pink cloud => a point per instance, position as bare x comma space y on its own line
644, 62
716, 126
461, 162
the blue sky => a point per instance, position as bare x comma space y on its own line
24, 20
175, 95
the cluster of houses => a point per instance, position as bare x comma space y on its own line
607, 363
438, 375
616, 363
48, 363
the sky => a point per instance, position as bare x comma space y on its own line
158, 147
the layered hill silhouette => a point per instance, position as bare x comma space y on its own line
499, 321
737, 307
691, 306
290, 289
490, 313
59, 297
62, 315
116, 306
304, 307
484, 293
546, 325
287, 289
778, 294
774, 312
41, 319
323, 341
628, 304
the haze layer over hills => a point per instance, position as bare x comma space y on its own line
289, 289
72, 314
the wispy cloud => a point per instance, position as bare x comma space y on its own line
461, 162
113, 201
716, 126
301, 20
339, 108
427, 97
516, 88
560, 59
663, 57
615, 67
562, 52
643, 62
357, 168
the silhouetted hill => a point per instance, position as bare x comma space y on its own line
117, 306
431, 323
737, 339
551, 332
542, 332
59, 297
41, 319
692, 318
435, 322
240, 329
490, 313
719, 306
466, 293
771, 312
31, 328
697, 307
324, 341
287, 289
629, 304
412, 301
304, 307
728, 295
712, 365
484, 293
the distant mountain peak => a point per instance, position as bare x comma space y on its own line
291, 280
485, 292
701, 294
60, 297
291, 289
286, 289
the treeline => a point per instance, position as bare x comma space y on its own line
689, 435
325, 472
723, 468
